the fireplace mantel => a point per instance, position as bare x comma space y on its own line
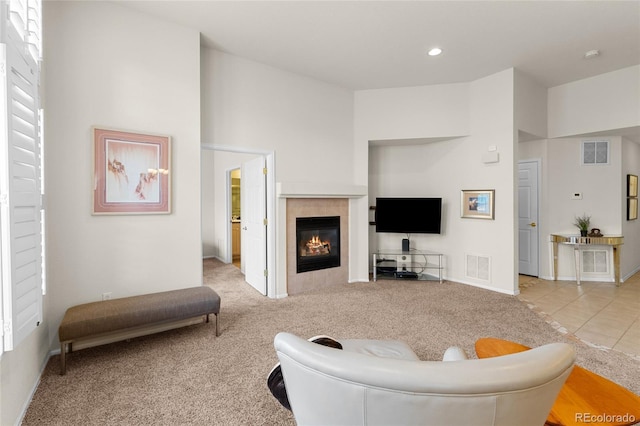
319, 190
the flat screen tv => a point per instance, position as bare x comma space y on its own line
408, 215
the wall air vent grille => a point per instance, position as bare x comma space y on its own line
595, 261
595, 153
478, 267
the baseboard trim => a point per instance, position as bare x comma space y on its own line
632, 273
485, 287
27, 403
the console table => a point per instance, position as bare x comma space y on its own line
577, 241
412, 264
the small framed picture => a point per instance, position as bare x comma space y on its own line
131, 173
477, 204
632, 208
632, 185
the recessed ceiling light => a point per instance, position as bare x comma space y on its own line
435, 51
591, 54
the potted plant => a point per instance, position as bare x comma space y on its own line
583, 222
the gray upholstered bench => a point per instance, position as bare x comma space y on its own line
106, 318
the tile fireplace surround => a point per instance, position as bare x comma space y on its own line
311, 207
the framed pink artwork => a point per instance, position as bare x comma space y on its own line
132, 173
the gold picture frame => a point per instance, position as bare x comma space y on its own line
477, 203
632, 185
632, 208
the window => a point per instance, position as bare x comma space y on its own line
20, 176
595, 152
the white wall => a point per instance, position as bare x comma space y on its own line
483, 109
601, 103
414, 112
20, 371
110, 66
209, 206
603, 189
307, 123
601, 197
530, 106
599, 185
492, 124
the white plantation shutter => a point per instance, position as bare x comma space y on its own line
34, 28
26, 23
18, 15
20, 175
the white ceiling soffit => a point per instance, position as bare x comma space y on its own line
411, 141
379, 44
630, 133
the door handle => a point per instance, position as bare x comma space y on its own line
533, 224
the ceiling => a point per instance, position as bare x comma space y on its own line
363, 44
379, 44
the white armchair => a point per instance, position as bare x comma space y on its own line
388, 385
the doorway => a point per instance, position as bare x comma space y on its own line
236, 215
218, 233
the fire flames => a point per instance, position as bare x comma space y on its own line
317, 247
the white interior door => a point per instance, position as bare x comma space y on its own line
528, 217
253, 228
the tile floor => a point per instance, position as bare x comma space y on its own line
596, 312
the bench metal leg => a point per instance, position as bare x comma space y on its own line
207, 320
63, 360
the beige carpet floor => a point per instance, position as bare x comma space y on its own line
189, 376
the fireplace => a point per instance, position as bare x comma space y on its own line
317, 208
318, 243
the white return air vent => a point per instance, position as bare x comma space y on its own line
595, 153
478, 267
595, 262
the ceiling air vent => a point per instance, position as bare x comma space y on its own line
595, 153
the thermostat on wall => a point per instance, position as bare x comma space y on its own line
576, 196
